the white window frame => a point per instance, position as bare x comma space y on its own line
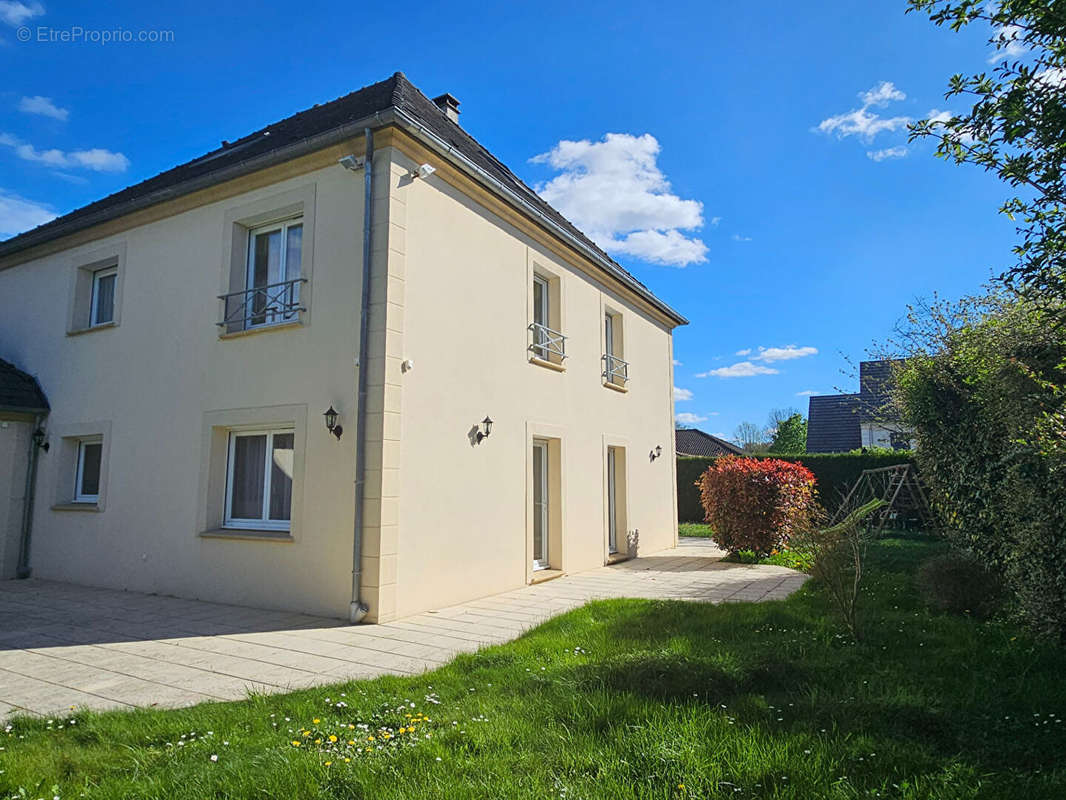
79, 470
99, 275
273, 317
264, 522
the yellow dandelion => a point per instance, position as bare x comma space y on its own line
332, 738
306, 734
295, 743
316, 720
351, 741
351, 727
370, 738
318, 741
347, 761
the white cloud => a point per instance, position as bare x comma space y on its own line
43, 106
677, 363
681, 394
1008, 46
886, 153
881, 95
738, 238
742, 369
784, 353
745, 352
860, 122
615, 192
96, 159
807, 393
1054, 77
15, 13
687, 418
715, 221
18, 214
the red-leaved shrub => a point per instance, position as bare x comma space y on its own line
755, 504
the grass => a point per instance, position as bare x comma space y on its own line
793, 559
621, 699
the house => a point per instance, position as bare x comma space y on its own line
693, 442
348, 365
839, 423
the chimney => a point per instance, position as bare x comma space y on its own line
449, 105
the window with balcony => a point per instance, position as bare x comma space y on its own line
547, 345
615, 368
273, 277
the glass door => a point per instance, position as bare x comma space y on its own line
540, 504
612, 500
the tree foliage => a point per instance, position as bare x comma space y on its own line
790, 435
756, 504
1016, 126
983, 391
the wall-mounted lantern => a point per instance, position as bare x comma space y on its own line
654, 454
331, 423
486, 429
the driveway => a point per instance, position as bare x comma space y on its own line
64, 646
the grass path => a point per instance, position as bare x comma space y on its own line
619, 699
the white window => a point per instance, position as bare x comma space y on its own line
272, 291
259, 479
102, 306
87, 477
615, 368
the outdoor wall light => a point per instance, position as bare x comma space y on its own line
654, 454
423, 171
331, 423
486, 424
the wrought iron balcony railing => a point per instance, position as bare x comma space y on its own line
272, 304
547, 345
615, 370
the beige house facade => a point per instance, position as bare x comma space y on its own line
502, 390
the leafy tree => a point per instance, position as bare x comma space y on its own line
1016, 127
790, 436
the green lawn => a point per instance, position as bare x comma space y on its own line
694, 529
620, 699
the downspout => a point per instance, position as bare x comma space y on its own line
357, 610
37, 444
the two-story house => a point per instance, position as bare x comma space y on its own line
348, 364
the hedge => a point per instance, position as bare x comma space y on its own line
834, 474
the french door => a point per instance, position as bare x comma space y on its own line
540, 504
612, 499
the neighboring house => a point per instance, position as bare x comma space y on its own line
22, 408
838, 423
241, 412
692, 442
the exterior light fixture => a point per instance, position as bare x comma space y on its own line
331, 423
423, 171
654, 454
38, 437
486, 424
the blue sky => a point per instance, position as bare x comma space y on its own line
739, 145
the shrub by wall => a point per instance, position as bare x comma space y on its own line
755, 504
833, 474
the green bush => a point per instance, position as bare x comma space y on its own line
834, 473
985, 394
958, 583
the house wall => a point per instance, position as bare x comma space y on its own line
160, 380
463, 515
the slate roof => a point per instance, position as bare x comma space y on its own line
19, 391
692, 442
875, 386
833, 424
395, 92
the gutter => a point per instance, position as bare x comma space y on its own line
37, 444
358, 609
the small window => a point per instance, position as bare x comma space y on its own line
272, 291
547, 343
87, 479
259, 480
102, 308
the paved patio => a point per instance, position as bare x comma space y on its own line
63, 645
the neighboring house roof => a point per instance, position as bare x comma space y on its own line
692, 442
19, 391
833, 424
875, 387
312, 129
